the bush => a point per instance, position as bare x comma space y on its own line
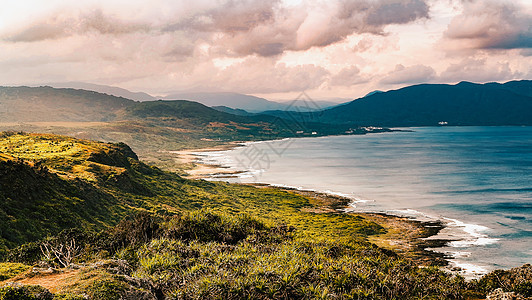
208, 226
517, 280
105, 290
26, 292
140, 230
10, 270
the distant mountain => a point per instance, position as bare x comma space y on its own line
234, 111
231, 100
428, 104
307, 104
47, 104
106, 89
521, 87
141, 122
249, 103
373, 93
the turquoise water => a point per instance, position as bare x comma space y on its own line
477, 179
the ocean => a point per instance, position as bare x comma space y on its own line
478, 180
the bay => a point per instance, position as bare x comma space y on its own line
476, 179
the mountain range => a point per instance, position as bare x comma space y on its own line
462, 104
232, 100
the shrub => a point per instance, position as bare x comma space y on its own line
10, 270
25, 292
517, 280
208, 226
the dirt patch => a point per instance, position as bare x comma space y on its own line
52, 279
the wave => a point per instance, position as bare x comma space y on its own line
469, 270
476, 234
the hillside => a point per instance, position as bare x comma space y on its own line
427, 104
96, 184
62, 199
47, 104
234, 111
104, 89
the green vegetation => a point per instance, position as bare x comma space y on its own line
206, 255
10, 270
94, 185
112, 227
184, 257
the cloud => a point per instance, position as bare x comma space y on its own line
236, 28
264, 75
479, 70
230, 16
348, 76
62, 25
412, 74
491, 24
397, 12
307, 25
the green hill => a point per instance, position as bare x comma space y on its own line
47, 104
428, 104
49, 183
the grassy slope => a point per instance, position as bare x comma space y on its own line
50, 183
96, 184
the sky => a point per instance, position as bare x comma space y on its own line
331, 49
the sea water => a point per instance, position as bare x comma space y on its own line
478, 180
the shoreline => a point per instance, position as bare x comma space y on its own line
421, 238
412, 238
201, 170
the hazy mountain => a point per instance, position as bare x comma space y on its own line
234, 111
171, 119
231, 100
373, 93
428, 104
250, 103
47, 104
106, 89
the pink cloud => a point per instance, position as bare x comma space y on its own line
62, 25
478, 70
348, 76
263, 75
491, 24
412, 74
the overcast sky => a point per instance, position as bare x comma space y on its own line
274, 49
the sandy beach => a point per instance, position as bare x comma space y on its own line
201, 170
